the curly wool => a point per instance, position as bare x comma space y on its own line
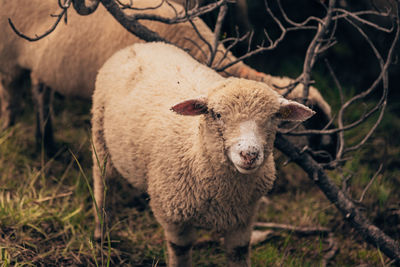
180, 161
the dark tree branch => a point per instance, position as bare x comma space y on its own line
217, 32
130, 24
382, 77
344, 203
355, 16
313, 49
272, 44
63, 13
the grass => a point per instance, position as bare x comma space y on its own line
46, 216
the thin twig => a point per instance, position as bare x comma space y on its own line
217, 32
354, 15
200, 35
371, 181
331, 251
204, 54
312, 50
272, 44
52, 28
305, 230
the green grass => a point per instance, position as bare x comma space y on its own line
46, 214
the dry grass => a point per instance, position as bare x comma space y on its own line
46, 209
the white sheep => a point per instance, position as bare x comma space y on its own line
68, 59
206, 171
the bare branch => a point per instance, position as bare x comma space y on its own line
272, 44
370, 183
371, 131
354, 15
235, 41
221, 16
381, 77
332, 250
63, 13
204, 54
200, 36
305, 230
344, 204
130, 24
312, 50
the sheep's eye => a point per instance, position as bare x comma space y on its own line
215, 115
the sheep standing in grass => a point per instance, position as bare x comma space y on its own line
199, 144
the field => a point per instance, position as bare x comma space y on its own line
46, 216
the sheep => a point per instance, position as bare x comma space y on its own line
206, 162
68, 59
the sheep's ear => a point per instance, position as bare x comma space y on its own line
293, 111
191, 107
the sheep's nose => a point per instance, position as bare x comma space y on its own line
249, 157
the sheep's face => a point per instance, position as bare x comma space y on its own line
243, 116
247, 146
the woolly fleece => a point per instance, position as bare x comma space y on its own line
181, 160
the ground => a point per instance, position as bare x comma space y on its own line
46, 213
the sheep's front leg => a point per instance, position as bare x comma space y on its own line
237, 245
180, 240
7, 102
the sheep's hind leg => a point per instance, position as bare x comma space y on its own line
42, 96
102, 169
180, 240
237, 245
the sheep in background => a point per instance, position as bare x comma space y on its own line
207, 164
68, 59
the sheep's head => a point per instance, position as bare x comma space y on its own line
244, 115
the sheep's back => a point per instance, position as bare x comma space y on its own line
138, 86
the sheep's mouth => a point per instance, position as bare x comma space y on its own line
246, 169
